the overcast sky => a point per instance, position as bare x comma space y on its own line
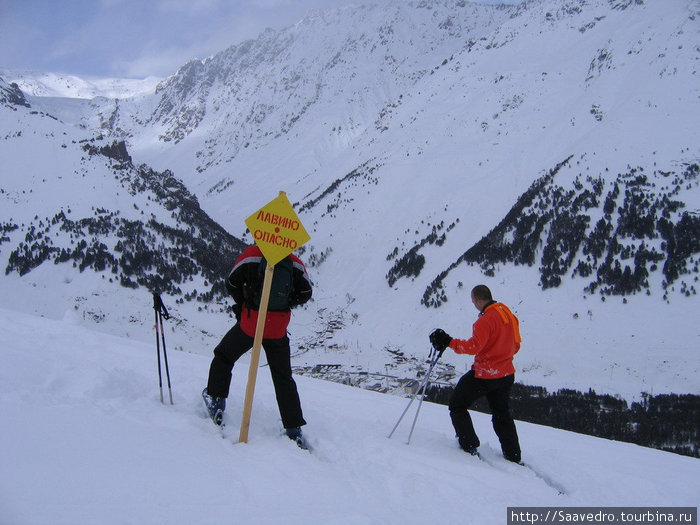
137, 38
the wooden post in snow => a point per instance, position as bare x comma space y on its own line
255, 356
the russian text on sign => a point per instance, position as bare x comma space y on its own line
276, 229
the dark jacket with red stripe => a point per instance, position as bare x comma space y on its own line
275, 322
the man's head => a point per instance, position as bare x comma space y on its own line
481, 296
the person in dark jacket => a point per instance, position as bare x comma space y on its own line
241, 283
495, 340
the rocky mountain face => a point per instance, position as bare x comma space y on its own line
11, 95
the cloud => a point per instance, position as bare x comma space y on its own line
136, 38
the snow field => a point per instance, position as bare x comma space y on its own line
86, 440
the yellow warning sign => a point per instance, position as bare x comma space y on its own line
277, 229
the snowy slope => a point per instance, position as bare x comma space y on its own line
86, 440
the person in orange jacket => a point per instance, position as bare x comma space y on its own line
494, 342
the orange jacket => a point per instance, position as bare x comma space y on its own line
494, 342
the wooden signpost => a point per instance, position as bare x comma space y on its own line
277, 231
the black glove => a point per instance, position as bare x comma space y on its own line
237, 309
440, 340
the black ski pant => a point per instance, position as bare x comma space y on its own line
497, 392
236, 343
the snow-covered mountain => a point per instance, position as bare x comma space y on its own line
549, 150
46, 84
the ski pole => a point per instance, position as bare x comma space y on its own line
413, 398
160, 375
421, 390
160, 313
422, 396
165, 352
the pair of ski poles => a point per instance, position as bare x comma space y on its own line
434, 355
161, 313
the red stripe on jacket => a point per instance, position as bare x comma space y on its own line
276, 323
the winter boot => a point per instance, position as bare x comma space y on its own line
215, 407
515, 458
468, 447
295, 435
